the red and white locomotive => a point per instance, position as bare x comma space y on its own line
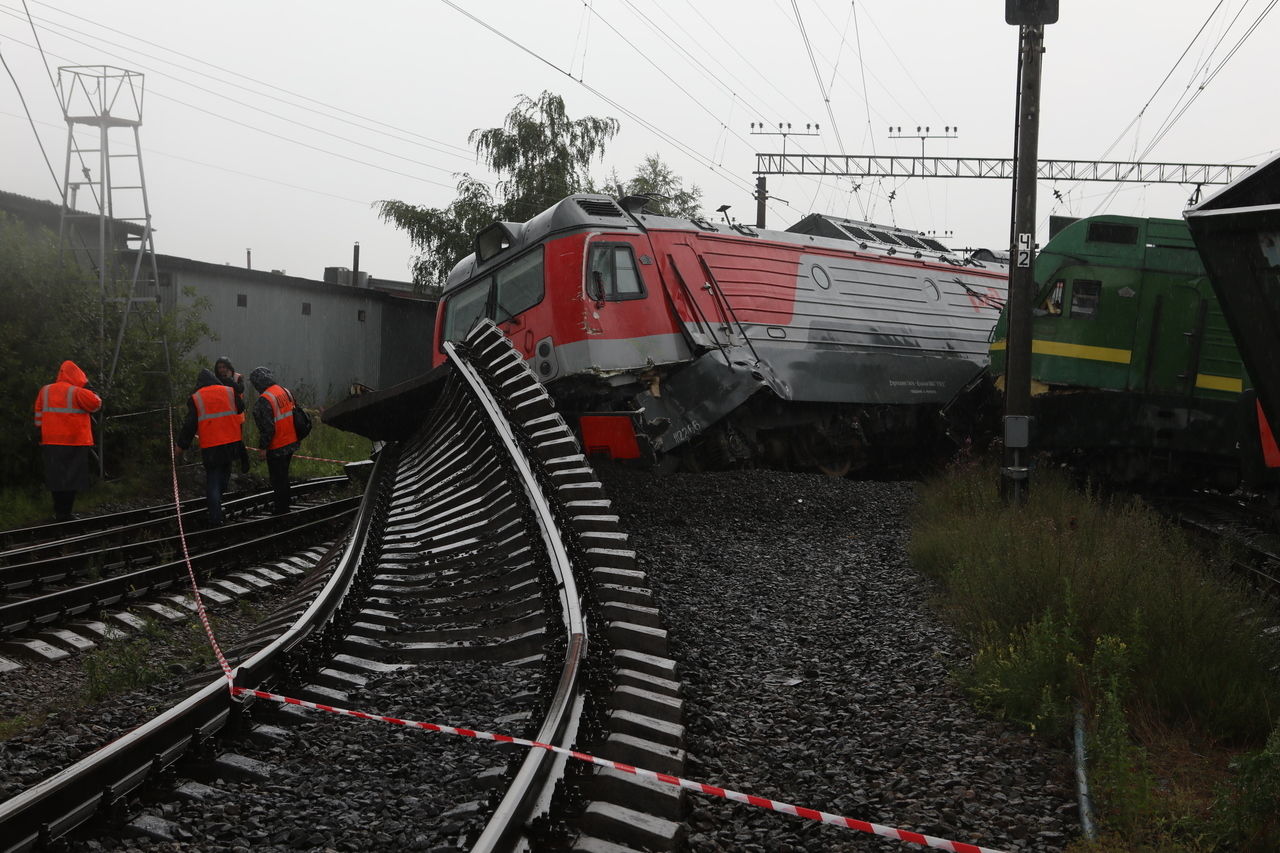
829, 345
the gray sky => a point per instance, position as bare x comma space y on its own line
276, 125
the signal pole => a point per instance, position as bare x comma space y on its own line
1015, 472
784, 130
922, 133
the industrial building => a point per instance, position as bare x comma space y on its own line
320, 337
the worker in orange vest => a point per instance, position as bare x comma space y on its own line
226, 373
62, 416
214, 413
277, 439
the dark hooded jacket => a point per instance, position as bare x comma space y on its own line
223, 454
236, 381
262, 378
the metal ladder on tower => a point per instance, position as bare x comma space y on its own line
105, 98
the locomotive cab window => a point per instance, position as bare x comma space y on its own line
612, 274
519, 287
463, 309
502, 296
1085, 295
1052, 304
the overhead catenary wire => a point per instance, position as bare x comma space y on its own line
648, 125
362, 202
356, 119
735, 97
39, 141
1176, 113
264, 111
1173, 119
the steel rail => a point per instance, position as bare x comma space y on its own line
531, 790
129, 521
45, 609
57, 805
19, 576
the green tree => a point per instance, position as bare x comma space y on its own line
540, 156
442, 236
656, 178
51, 314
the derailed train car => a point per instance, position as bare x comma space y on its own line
831, 345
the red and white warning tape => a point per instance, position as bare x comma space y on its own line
687, 784
322, 459
186, 558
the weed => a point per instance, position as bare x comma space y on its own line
1075, 597
13, 726
1247, 812
119, 667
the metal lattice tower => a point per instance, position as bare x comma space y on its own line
115, 233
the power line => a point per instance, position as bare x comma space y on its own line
39, 142
300, 143
248, 106
364, 121
693, 153
250, 175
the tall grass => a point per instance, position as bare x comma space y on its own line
1046, 583
1077, 597
328, 443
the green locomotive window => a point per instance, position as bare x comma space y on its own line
1112, 232
1053, 302
1085, 296
612, 273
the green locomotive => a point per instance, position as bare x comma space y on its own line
1135, 373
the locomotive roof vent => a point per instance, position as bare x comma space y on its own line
600, 207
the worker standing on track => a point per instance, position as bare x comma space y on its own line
277, 439
227, 375
214, 413
62, 416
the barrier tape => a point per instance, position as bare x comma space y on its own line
687, 784
191, 572
322, 459
136, 414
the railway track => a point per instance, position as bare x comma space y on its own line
483, 552
1248, 527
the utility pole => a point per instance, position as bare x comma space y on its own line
1015, 473
784, 130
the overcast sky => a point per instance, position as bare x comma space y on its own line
275, 126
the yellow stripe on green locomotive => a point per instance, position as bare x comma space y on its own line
1133, 366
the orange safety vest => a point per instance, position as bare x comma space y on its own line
217, 421
282, 413
60, 419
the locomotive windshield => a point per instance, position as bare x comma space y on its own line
500, 296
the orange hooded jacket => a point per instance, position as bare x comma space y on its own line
62, 408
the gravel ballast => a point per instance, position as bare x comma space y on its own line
816, 673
